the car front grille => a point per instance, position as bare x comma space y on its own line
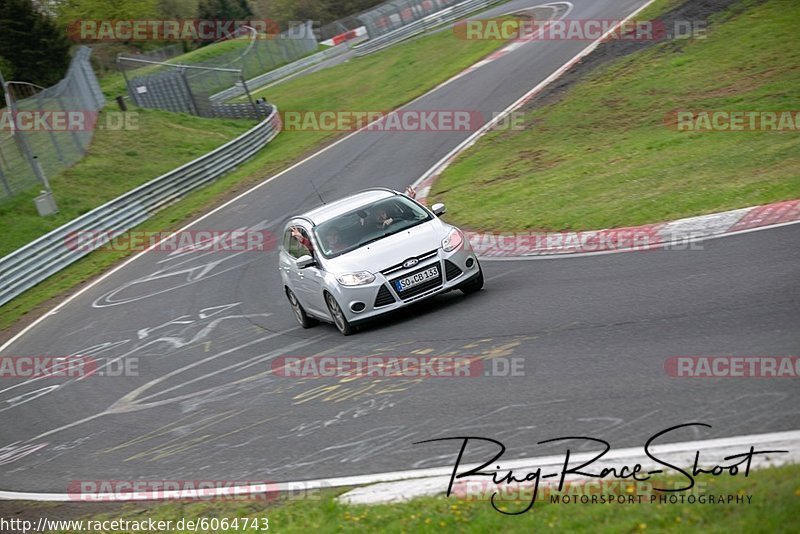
451, 270
384, 297
418, 289
420, 259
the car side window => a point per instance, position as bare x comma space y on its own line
297, 243
287, 240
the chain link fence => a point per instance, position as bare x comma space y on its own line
26, 153
189, 87
338, 27
395, 14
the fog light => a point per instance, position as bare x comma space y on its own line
470, 263
358, 306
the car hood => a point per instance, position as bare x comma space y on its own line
392, 250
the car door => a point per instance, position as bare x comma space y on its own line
286, 264
306, 283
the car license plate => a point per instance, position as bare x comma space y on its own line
415, 279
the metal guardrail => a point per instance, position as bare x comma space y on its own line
33, 263
258, 82
423, 25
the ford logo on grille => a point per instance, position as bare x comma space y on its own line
410, 263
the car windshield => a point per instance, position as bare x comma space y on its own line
368, 224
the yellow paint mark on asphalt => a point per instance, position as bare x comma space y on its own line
475, 344
341, 392
393, 346
188, 441
153, 433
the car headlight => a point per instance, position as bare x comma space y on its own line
356, 279
453, 240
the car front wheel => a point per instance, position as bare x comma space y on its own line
299, 313
475, 284
339, 320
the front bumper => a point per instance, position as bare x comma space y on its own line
381, 296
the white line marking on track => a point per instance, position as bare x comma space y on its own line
654, 246
705, 446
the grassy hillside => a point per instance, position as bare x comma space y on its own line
603, 156
116, 162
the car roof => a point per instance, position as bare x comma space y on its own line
346, 205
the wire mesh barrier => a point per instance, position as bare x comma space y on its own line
253, 84
338, 27
34, 142
189, 87
415, 26
395, 14
164, 53
35, 262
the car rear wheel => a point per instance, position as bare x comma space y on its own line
299, 313
475, 284
339, 320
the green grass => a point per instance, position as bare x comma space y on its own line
774, 508
113, 83
387, 78
602, 156
116, 162
381, 81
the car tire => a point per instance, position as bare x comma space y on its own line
475, 285
339, 320
299, 313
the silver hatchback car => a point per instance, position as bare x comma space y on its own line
371, 253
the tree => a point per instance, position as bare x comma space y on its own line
224, 10
177, 9
34, 47
71, 11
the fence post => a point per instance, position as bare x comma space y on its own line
192, 100
5, 183
249, 96
128, 86
19, 138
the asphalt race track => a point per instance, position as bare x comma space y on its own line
592, 335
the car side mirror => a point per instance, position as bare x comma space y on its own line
438, 209
305, 261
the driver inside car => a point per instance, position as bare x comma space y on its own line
382, 219
333, 240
